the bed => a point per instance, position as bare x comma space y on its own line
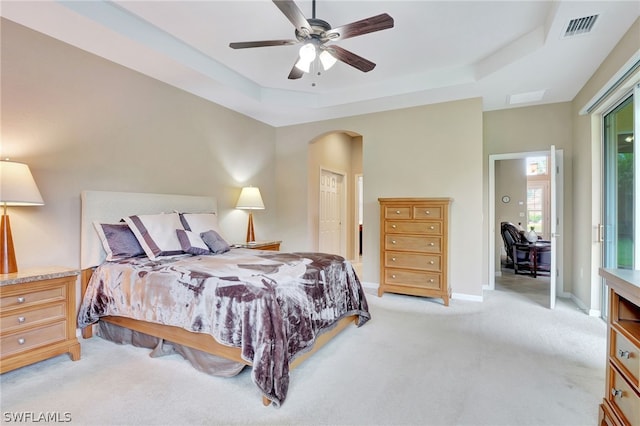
222, 308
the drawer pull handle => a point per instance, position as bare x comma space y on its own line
616, 392
427, 212
393, 259
397, 211
393, 241
432, 227
624, 354
21, 320
431, 262
432, 244
393, 275
21, 341
393, 226
431, 280
21, 299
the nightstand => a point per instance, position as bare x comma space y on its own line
261, 245
37, 316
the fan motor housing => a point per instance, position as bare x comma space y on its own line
318, 28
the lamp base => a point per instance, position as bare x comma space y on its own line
8, 263
251, 237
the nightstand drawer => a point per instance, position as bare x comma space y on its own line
626, 355
32, 317
19, 342
26, 298
624, 398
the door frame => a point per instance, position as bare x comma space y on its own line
356, 214
492, 213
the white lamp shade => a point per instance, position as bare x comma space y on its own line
250, 199
327, 60
17, 187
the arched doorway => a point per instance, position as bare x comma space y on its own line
336, 155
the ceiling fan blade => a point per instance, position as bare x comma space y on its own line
364, 26
294, 15
295, 73
264, 43
351, 58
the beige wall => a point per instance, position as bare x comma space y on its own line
587, 173
416, 152
81, 122
511, 180
532, 129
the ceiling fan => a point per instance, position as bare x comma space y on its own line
316, 33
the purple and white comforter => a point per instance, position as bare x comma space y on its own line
272, 305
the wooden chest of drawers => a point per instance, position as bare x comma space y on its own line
414, 246
37, 317
621, 404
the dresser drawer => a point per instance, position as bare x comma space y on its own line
399, 227
19, 342
412, 278
26, 297
391, 212
423, 262
412, 243
626, 355
427, 212
624, 398
32, 317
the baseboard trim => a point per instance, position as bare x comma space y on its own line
366, 284
470, 297
584, 308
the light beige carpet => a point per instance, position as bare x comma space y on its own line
506, 361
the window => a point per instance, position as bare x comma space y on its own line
538, 207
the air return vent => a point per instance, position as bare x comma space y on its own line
580, 26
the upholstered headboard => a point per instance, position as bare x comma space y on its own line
110, 207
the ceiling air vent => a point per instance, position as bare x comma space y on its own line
580, 26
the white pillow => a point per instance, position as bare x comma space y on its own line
192, 243
156, 233
199, 222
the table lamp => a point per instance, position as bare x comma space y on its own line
17, 188
250, 199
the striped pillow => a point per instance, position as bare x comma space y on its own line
156, 233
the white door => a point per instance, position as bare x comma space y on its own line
331, 212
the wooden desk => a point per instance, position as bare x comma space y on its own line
534, 249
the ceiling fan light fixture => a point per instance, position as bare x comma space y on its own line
308, 52
327, 59
303, 65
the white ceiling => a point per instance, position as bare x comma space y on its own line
437, 51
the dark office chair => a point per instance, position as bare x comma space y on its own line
510, 236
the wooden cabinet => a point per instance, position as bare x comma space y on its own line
414, 236
621, 403
37, 316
